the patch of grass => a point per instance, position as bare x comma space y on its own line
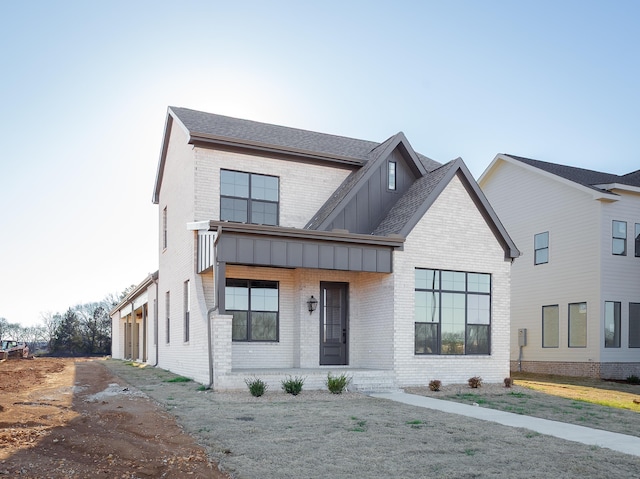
178, 379
202, 387
360, 425
470, 452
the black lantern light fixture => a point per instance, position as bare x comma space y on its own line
312, 304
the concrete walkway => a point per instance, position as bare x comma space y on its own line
570, 432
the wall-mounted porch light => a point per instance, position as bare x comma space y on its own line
312, 304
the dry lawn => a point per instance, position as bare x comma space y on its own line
319, 435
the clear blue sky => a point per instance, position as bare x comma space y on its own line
85, 86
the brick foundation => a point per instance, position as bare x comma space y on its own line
592, 370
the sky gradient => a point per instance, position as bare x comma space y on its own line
85, 87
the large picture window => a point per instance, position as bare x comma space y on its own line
612, 324
249, 198
452, 312
254, 305
578, 325
551, 326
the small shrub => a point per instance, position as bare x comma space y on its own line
257, 387
633, 379
202, 387
475, 382
293, 385
508, 382
337, 384
435, 385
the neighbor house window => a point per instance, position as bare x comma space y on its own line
249, 197
619, 241
392, 175
578, 325
452, 312
634, 325
612, 324
637, 240
551, 326
254, 305
187, 310
167, 305
541, 248
164, 228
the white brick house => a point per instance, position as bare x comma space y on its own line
285, 251
576, 288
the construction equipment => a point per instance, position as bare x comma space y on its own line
11, 349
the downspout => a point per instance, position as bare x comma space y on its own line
215, 304
155, 325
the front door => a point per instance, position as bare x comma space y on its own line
333, 323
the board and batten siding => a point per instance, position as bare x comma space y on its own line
529, 203
452, 235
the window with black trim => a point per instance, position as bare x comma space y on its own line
167, 305
612, 310
164, 228
187, 310
541, 248
551, 326
249, 197
619, 240
578, 325
452, 312
254, 305
634, 325
637, 240
391, 175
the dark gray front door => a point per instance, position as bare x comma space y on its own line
333, 323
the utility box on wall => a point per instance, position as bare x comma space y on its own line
522, 337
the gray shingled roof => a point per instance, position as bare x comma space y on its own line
280, 137
411, 201
588, 178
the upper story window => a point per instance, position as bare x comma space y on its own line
452, 312
637, 240
391, 176
541, 248
249, 197
619, 240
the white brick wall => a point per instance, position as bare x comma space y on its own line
451, 236
304, 187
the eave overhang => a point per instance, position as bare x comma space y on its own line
208, 141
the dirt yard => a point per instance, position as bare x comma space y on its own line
65, 418
61, 418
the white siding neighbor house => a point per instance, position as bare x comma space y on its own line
291, 252
576, 288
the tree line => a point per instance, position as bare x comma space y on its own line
84, 329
